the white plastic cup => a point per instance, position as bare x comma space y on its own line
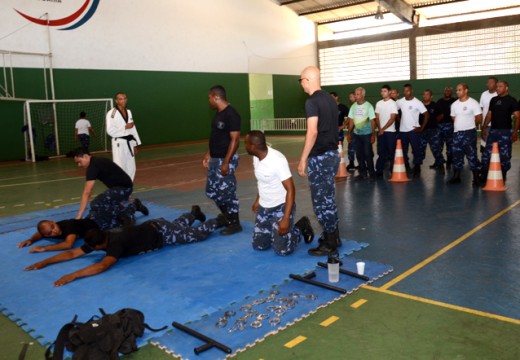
333, 269
360, 267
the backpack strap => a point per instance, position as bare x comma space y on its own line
59, 344
23, 352
155, 330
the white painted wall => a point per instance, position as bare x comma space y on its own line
232, 36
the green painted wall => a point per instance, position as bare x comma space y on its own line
167, 106
289, 98
261, 96
172, 106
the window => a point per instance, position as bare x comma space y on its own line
377, 61
469, 53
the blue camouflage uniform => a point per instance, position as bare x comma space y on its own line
431, 135
223, 189
501, 109
465, 135
265, 232
323, 161
445, 127
180, 231
113, 202
465, 143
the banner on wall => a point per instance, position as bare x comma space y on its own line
62, 14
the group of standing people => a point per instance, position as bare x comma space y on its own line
450, 122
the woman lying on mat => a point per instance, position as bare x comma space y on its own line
133, 240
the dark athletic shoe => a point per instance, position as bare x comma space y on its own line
197, 213
140, 207
305, 227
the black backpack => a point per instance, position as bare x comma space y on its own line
101, 338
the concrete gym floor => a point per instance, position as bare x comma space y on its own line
454, 291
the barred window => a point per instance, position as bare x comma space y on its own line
469, 53
370, 62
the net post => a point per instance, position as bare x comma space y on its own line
29, 130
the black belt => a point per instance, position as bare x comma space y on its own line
128, 138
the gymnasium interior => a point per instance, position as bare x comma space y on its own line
441, 260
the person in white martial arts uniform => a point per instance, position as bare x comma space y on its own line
125, 139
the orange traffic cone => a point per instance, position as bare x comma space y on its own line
342, 170
494, 181
399, 170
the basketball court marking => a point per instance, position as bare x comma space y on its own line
442, 304
447, 247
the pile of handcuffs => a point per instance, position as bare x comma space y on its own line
275, 311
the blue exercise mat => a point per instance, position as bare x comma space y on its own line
180, 283
252, 319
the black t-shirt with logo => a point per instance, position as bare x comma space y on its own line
108, 172
322, 105
223, 123
502, 107
133, 240
76, 227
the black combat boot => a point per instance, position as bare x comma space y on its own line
455, 179
140, 207
416, 171
476, 178
305, 227
327, 246
234, 225
197, 213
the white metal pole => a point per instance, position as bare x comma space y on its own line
12, 74
29, 130
51, 78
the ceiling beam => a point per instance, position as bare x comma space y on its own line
402, 10
334, 7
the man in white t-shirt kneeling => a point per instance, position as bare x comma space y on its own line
275, 203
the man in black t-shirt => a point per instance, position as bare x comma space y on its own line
320, 157
221, 160
134, 240
431, 134
342, 116
108, 206
501, 108
445, 125
66, 230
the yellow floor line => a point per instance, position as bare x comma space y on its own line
358, 303
445, 305
448, 247
295, 341
329, 321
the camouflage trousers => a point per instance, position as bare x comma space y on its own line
322, 169
503, 138
446, 137
223, 189
432, 137
180, 231
109, 205
465, 143
265, 232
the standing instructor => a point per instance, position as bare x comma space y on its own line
125, 139
321, 159
221, 160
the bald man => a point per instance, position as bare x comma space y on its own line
321, 159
